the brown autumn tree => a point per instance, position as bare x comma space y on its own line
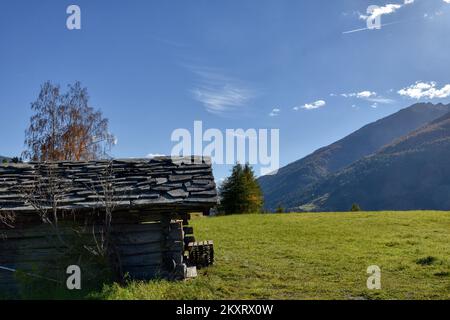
65, 127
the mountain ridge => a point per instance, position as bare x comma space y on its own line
293, 179
412, 173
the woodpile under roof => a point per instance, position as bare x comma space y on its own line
154, 184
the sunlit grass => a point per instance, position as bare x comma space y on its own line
314, 256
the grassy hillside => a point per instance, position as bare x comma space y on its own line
315, 256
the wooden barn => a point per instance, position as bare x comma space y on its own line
134, 212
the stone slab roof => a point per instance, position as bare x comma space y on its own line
185, 184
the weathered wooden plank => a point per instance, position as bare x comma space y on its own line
29, 243
188, 230
137, 238
131, 249
29, 255
45, 230
175, 234
145, 237
131, 228
42, 244
142, 259
35, 232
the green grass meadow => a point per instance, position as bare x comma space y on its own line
313, 256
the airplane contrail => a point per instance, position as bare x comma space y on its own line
363, 29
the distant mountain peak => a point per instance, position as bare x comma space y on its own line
411, 173
294, 179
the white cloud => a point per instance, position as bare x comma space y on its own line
386, 9
428, 90
361, 95
436, 13
221, 99
367, 95
381, 100
275, 112
311, 106
379, 11
218, 93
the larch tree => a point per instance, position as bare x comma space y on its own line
241, 193
65, 127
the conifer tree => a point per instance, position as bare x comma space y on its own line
241, 193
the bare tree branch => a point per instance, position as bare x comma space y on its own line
66, 127
7, 219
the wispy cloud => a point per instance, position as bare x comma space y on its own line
362, 95
275, 112
219, 93
368, 96
381, 100
311, 106
428, 90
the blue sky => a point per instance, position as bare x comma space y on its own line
155, 66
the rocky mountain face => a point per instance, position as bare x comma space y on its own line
412, 173
296, 179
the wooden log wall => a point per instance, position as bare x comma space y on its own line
150, 245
